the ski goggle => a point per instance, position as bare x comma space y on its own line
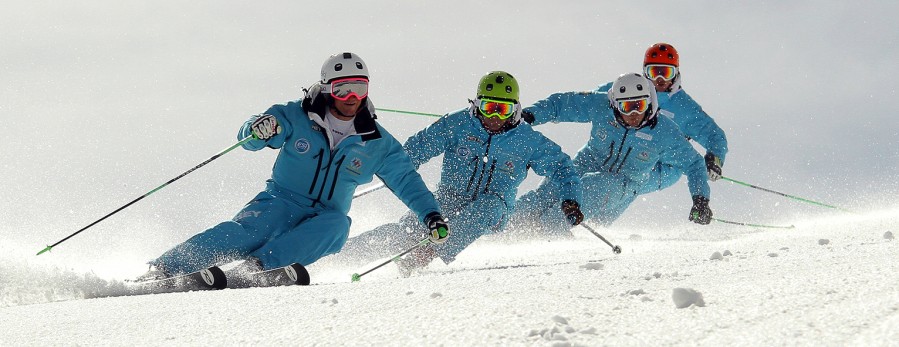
342, 89
666, 72
495, 108
630, 106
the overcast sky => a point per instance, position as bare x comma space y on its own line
102, 101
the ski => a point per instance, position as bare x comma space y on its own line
293, 274
211, 278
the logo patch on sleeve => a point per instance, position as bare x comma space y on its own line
600, 134
302, 146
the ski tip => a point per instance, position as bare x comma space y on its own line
356, 278
45, 250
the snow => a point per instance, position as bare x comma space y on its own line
686, 297
102, 101
661, 290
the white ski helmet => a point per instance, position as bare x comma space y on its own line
343, 65
634, 86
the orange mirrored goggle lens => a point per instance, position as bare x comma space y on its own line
629, 106
493, 108
666, 72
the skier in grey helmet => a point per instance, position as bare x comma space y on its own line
627, 141
329, 143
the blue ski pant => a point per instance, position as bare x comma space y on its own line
605, 198
663, 176
468, 220
276, 230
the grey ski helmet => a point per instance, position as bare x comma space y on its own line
343, 65
633, 86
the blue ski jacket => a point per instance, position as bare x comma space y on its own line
312, 174
477, 163
691, 119
626, 154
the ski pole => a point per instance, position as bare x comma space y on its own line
214, 157
381, 185
356, 277
785, 195
615, 249
754, 225
409, 112
368, 190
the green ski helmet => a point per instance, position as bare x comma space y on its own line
502, 86
498, 85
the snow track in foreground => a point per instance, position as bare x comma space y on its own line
766, 287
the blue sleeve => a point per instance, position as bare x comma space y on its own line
429, 142
579, 107
700, 127
400, 176
280, 113
604, 88
550, 161
683, 156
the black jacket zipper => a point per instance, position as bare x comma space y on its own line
318, 169
618, 155
483, 167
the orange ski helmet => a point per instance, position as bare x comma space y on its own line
661, 53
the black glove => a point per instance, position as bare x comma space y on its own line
265, 126
713, 164
572, 211
527, 116
700, 213
437, 227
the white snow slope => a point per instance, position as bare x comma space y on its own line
103, 100
827, 282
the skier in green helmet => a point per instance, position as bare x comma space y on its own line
487, 151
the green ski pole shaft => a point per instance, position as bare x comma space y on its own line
357, 277
214, 157
381, 185
615, 249
409, 112
784, 195
754, 225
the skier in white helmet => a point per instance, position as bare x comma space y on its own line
329, 143
661, 65
626, 143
